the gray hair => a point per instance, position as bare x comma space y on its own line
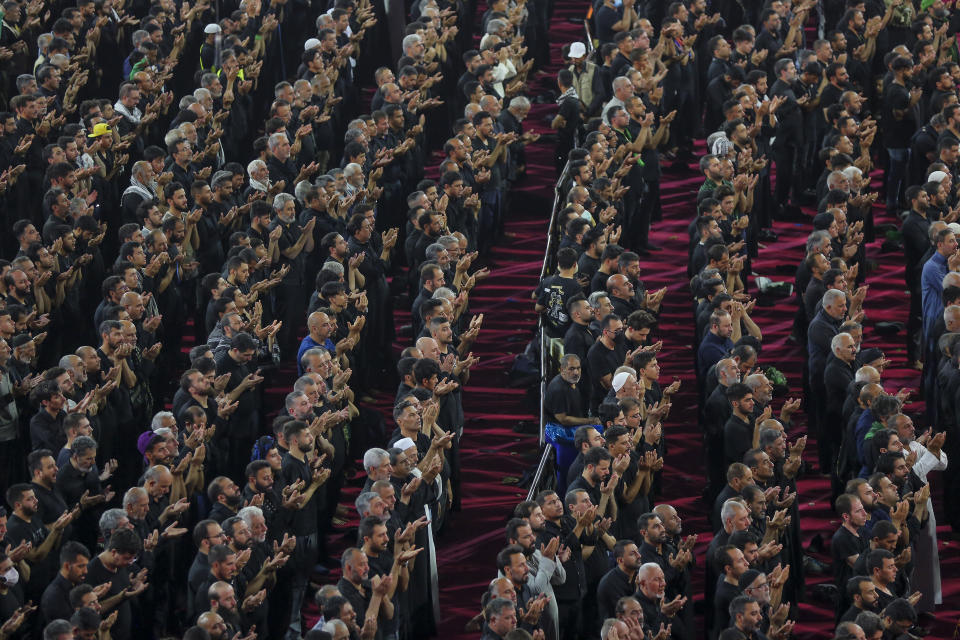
410, 40
43, 43
596, 297
488, 100
172, 137
353, 134
433, 250
832, 296
352, 169
363, 502
153, 472
333, 626
834, 179
255, 165
621, 82
303, 382
292, 397
155, 423
767, 437
138, 36
444, 292
139, 168
494, 26
309, 353
333, 267
374, 458
111, 519
276, 139
866, 373
837, 342
300, 191
186, 101
132, 494
57, 628
208, 79
69, 361
202, 94
448, 242
852, 172
281, 200
754, 380
471, 110
520, 102
816, 239
731, 508
247, 514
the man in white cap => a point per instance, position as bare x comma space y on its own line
208, 50
586, 79
624, 384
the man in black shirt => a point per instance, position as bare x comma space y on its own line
46, 427
738, 431
25, 525
55, 603
553, 293
295, 244
657, 610
734, 565
916, 243
243, 424
619, 581
563, 400
789, 133
863, 595
116, 566
848, 543
568, 120
300, 464
604, 357
899, 123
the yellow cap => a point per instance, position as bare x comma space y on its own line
99, 129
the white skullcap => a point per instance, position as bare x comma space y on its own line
619, 380
937, 176
404, 443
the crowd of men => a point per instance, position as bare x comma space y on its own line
216, 218
798, 102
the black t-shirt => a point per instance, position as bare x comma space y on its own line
570, 109
602, 362
34, 532
843, 545
562, 397
897, 133
553, 293
52, 504
290, 236
243, 423
305, 519
578, 341
604, 19
737, 439
98, 574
